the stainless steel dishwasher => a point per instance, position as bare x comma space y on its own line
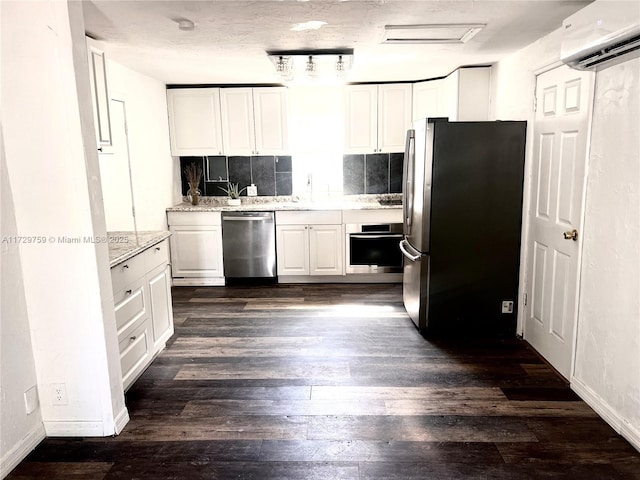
249, 244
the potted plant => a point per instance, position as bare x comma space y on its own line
233, 192
193, 174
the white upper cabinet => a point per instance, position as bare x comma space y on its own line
238, 126
361, 123
462, 96
270, 114
394, 116
100, 97
254, 120
194, 121
377, 117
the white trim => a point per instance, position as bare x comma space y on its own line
608, 414
121, 420
350, 278
74, 429
198, 281
631, 434
19, 451
547, 67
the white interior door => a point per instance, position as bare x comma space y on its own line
561, 132
115, 174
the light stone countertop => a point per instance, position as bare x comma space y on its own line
288, 203
125, 245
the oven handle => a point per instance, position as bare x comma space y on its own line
365, 236
411, 257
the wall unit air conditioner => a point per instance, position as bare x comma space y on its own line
602, 34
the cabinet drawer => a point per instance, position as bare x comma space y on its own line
324, 217
387, 215
127, 272
134, 352
130, 307
194, 218
157, 255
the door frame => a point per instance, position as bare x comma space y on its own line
525, 251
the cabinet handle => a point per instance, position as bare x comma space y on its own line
157, 249
128, 292
125, 266
99, 149
133, 338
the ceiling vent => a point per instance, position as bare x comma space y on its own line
434, 33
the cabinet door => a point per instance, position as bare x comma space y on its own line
238, 132
161, 309
474, 87
361, 122
270, 114
292, 248
194, 121
100, 98
196, 251
426, 99
394, 116
325, 250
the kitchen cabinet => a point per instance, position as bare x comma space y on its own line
464, 95
143, 310
377, 117
195, 123
196, 248
254, 121
99, 96
309, 243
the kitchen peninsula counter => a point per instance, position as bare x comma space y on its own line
128, 244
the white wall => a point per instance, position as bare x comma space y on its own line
316, 131
20, 431
607, 367
155, 174
47, 123
608, 340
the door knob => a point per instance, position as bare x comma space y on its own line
572, 235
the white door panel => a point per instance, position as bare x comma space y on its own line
561, 132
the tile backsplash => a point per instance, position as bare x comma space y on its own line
271, 174
372, 173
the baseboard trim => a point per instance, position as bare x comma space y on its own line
351, 278
74, 429
121, 420
631, 434
608, 414
198, 282
19, 452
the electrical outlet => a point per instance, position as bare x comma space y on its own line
507, 306
58, 394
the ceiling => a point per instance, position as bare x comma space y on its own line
230, 38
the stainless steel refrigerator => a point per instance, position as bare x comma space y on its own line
462, 207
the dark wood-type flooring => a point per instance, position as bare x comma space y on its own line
334, 382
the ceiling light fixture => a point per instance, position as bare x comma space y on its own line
186, 25
312, 64
310, 25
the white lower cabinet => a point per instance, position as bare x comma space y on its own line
160, 303
309, 243
143, 309
196, 248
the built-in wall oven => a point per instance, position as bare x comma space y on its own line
373, 248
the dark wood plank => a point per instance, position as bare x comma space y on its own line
334, 382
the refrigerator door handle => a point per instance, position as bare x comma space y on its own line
407, 190
403, 248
